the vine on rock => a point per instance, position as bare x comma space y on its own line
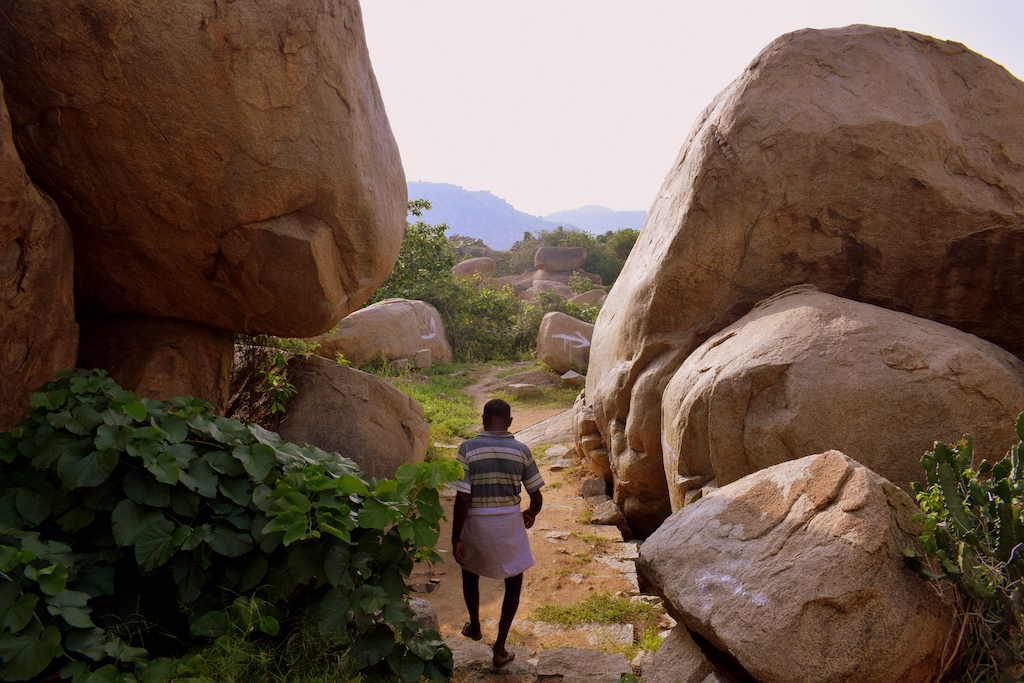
205, 525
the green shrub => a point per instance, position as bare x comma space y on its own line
974, 537
207, 527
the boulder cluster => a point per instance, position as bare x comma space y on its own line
827, 284
173, 174
885, 169
553, 266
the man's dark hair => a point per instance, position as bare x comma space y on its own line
497, 408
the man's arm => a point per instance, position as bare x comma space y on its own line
462, 501
536, 503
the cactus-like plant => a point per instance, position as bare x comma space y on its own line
974, 536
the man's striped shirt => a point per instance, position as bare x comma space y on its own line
495, 465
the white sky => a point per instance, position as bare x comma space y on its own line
556, 104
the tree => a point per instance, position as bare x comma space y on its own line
425, 256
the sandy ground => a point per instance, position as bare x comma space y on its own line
565, 572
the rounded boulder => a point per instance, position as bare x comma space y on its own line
797, 573
806, 372
389, 329
225, 163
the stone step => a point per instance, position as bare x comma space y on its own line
557, 665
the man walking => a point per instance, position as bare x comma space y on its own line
489, 531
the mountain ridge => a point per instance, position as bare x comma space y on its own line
484, 215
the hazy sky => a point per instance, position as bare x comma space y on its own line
556, 104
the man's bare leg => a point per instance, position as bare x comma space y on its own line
471, 593
513, 588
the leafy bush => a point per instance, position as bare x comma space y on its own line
207, 527
974, 536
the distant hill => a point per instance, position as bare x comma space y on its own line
598, 219
476, 214
495, 221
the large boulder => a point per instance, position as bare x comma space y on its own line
38, 332
559, 258
389, 329
482, 266
225, 163
806, 372
564, 342
160, 357
797, 573
882, 166
353, 413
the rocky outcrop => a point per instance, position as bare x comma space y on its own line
797, 573
564, 342
878, 165
805, 372
160, 357
389, 329
38, 332
229, 164
482, 266
353, 413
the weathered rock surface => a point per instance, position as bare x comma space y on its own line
878, 165
355, 414
392, 329
573, 379
519, 283
589, 443
38, 332
160, 357
678, 660
473, 663
578, 665
559, 258
554, 430
563, 342
225, 163
533, 293
805, 372
483, 266
564, 275
594, 296
426, 615
797, 573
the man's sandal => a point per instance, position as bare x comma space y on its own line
472, 635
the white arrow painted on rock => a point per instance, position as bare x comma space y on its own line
433, 330
576, 338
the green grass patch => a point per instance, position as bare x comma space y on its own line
598, 542
448, 410
605, 608
599, 608
517, 368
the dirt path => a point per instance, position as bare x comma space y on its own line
568, 565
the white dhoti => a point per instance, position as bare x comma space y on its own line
496, 542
